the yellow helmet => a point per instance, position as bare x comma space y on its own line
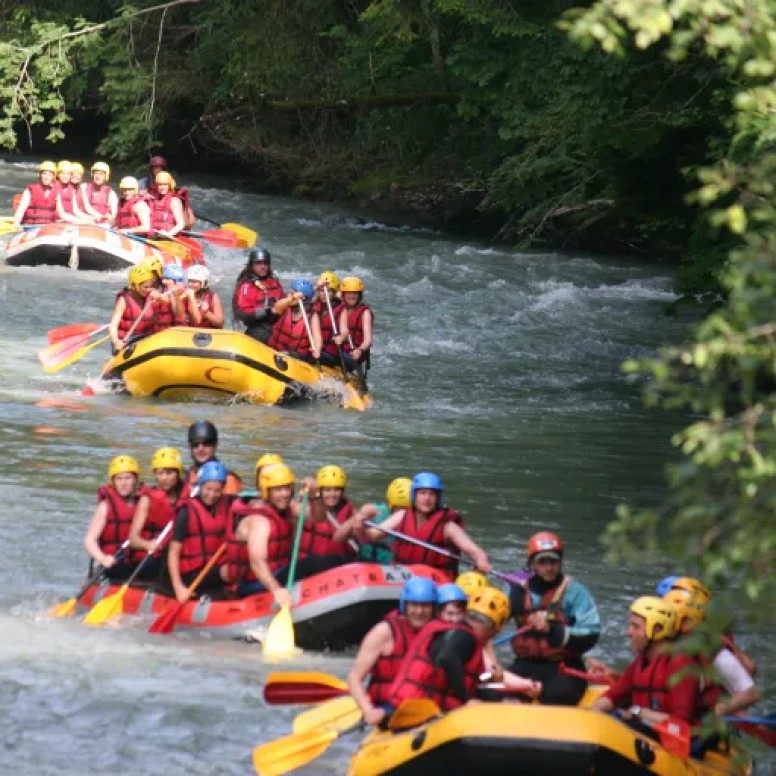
155, 264
491, 603
351, 284
275, 476
331, 477
398, 493
103, 167
64, 166
688, 607
77, 167
47, 167
268, 459
138, 275
331, 279
656, 611
164, 177
471, 582
694, 587
128, 183
167, 458
123, 464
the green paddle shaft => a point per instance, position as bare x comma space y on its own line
297, 542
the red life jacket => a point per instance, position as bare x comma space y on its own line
327, 324
43, 205
205, 533
289, 335
67, 195
433, 532
418, 677
279, 543
125, 217
162, 217
250, 297
185, 319
160, 513
386, 666
117, 522
356, 326
317, 539
650, 681
533, 645
164, 314
98, 198
133, 311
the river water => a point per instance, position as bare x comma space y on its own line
499, 370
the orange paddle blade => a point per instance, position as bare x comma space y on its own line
72, 330
61, 354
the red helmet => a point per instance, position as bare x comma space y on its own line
157, 161
544, 542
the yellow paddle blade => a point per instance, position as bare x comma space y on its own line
7, 228
65, 609
306, 677
340, 713
248, 235
292, 752
179, 250
63, 358
280, 635
413, 712
107, 608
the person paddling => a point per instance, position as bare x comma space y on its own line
167, 218
431, 521
97, 199
385, 646
38, 203
134, 214
110, 524
255, 293
135, 312
356, 322
297, 331
328, 306
200, 305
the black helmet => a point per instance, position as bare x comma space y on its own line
259, 254
203, 431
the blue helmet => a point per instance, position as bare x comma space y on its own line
173, 272
417, 590
450, 592
425, 480
212, 471
666, 584
304, 287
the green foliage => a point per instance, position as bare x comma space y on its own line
723, 492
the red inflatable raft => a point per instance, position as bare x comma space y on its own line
332, 610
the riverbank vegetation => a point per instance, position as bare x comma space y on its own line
639, 125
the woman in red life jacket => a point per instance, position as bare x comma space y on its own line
203, 444
255, 294
329, 509
659, 683
200, 529
97, 199
355, 324
134, 314
200, 305
327, 302
156, 508
298, 330
68, 209
431, 521
445, 660
260, 538
38, 204
134, 214
110, 524
385, 646
166, 208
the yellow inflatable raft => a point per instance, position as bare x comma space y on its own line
187, 363
502, 738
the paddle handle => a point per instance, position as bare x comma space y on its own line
588, 677
433, 547
101, 570
297, 542
157, 542
307, 326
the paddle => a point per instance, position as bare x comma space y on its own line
282, 689
72, 329
66, 608
222, 237
361, 387
112, 605
291, 752
280, 634
763, 728
428, 546
342, 713
588, 677
243, 232
165, 622
180, 247
8, 228
56, 357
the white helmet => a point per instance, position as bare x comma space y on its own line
200, 273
